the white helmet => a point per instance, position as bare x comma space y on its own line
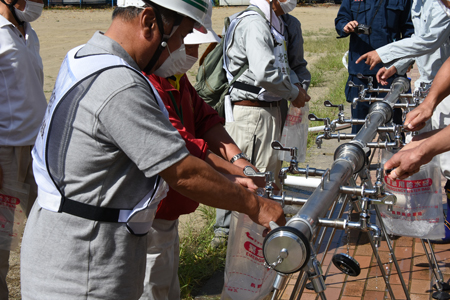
197, 37
194, 9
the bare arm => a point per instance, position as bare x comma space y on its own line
419, 139
195, 179
221, 143
236, 170
244, 181
408, 161
223, 166
440, 89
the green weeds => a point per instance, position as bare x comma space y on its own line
336, 95
327, 71
317, 76
324, 41
198, 261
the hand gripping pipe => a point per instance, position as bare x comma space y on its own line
287, 248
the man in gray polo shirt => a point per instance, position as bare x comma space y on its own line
102, 155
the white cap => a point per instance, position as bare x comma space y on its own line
196, 37
195, 10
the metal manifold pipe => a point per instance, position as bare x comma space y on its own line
287, 249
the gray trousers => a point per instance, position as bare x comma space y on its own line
163, 256
223, 220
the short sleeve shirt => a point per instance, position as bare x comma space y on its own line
118, 141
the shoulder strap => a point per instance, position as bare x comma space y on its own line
234, 83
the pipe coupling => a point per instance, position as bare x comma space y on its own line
384, 108
353, 154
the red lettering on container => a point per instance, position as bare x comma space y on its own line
255, 250
408, 184
5, 199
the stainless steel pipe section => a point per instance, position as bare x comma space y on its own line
379, 113
350, 158
289, 200
319, 202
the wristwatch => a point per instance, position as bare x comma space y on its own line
239, 156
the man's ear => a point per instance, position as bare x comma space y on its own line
149, 25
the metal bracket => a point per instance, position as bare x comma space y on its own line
322, 180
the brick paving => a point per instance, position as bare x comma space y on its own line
369, 285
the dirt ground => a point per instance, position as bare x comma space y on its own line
60, 30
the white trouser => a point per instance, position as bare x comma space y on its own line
15, 163
163, 255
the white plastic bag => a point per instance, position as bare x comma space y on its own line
246, 277
418, 211
13, 203
295, 132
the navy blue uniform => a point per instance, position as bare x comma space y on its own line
392, 22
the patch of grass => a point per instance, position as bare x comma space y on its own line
337, 90
324, 42
198, 261
331, 62
328, 70
321, 31
336, 94
317, 77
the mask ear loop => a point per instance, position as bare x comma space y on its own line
13, 11
164, 39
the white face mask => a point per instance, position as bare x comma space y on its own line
173, 63
31, 12
190, 61
288, 5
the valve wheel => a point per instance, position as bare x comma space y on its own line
346, 264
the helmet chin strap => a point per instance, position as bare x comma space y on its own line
13, 11
164, 39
